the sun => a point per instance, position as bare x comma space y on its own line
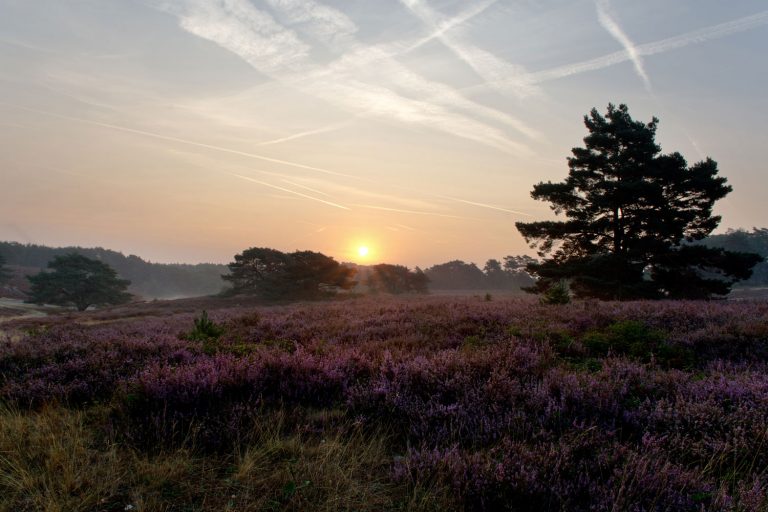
362, 251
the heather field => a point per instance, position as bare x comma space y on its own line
435, 403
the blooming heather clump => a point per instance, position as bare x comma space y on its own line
512, 404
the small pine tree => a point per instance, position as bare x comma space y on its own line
558, 293
205, 329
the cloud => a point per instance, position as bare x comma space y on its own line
352, 81
672, 43
181, 141
331, 26
289, 191
313, 190
484, 205
410, 212
493, 70
607, 19
239, 27
306, 133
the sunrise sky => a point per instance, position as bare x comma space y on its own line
189, 130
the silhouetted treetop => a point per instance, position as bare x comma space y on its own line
629, 209
74, 280
273, 274
396, 279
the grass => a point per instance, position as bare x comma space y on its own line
58, 459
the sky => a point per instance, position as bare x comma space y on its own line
190, 130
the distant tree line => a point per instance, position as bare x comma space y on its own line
148, 280
509, 274
396, 279
740, 240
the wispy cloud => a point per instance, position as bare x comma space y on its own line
409, 212
488, 206
289, 191
181, 141
354, 80
326, 24
672, 43
246, 31
313, 190
607, 19
492, 69
306, 133
441, 27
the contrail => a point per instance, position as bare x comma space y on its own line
483, 205
442, 28
664, 45
180, 141
412, 212
305, 187
300, 135
610, 24
248, 178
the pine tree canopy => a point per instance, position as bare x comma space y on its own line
74, 280
630, 214
275, 275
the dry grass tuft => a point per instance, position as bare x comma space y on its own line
58, 460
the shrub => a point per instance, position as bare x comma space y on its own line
557, 294
205, 329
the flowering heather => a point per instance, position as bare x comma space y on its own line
511, 404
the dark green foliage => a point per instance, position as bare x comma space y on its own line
207, 332
5, 274
396, 279
457, 275
557, 293
149, 280
637, 340
630, 212
739, 240
276, 275
74, 280
205, 329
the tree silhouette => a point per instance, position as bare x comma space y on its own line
75, 280
276, 275
630, 212
397, 279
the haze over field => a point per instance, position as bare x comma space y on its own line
189, 130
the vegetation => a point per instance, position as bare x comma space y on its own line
74, 280
457, 275
740, 240
148, 280
275, 275
5, 274
205, 329
419, 403
557, 293
629, 211
396, 279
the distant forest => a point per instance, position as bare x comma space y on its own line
163, 281
148, 280
740, 240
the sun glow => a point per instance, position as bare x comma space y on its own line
362, 251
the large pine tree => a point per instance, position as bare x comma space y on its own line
630, 211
